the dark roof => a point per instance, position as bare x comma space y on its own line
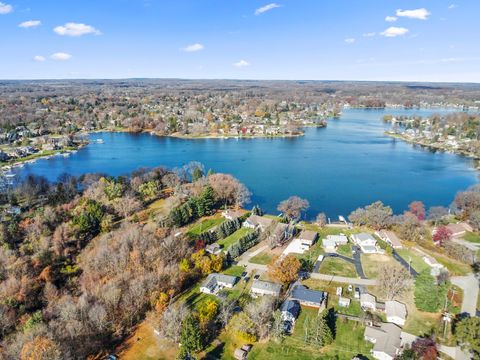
291, 306
303, 294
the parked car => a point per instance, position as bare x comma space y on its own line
256, 277
339, 291
350, 288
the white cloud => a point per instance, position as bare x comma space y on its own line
452, 6
420, 14
390, 18
350, 40
75, 29
39, 58
369, 34
394, 31
61, 56
5, 8
30, 24
241, 64
266, 8
193, 47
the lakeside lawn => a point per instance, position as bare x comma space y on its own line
237, 235
264, 258
345, 250
472, 237
204, 225
338, 267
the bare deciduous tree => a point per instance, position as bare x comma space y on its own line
393, 280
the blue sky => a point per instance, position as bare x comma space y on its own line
241, 39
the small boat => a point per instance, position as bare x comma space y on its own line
66, 154
99, 141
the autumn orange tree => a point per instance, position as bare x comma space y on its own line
40, 348
285, 270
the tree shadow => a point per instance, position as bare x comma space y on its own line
216, 353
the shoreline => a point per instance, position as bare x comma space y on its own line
434, 146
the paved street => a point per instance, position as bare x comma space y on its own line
404, 263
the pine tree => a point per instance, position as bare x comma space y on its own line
191, 336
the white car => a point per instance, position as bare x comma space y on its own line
350, 288
339, 291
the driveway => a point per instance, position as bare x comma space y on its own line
404, 263
469, 285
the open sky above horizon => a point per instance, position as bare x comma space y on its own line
241, 39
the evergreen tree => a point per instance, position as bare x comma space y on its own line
429, 296
317, 332
191, 335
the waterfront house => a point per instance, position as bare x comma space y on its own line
257, 222
396, 312
308, 237
232, 214
386, 339
368, 301
307, 297
390, 238
261, 288
216, 282
213, 249
366, 242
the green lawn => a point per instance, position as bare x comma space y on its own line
338, 267
263, 258
353, 310
417, 262
229, 240
348, 343
345, 250
203, 225
472, 237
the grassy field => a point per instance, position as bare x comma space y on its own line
229, 240
472, 237
417, 262
345, 250
263, 258
204, 225
371, 263
338, 267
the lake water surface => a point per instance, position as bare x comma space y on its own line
349, 164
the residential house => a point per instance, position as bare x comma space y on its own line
368, 301
261, 288
366, 242
308, 237
343, 302
242, 353
386, 339
459, 229
390, 238
289, 310
258, 222
307, 297
214, 249
232, 214
396, 312
331, 242
216, 282
435, 266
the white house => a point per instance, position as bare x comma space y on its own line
257, 222
435, 266
232, 214
396, 312
366, 242
368, 301
213, 249
331, 242
261, 288
343, 302
386, 339
216, 282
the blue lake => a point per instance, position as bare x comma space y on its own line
349, 164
